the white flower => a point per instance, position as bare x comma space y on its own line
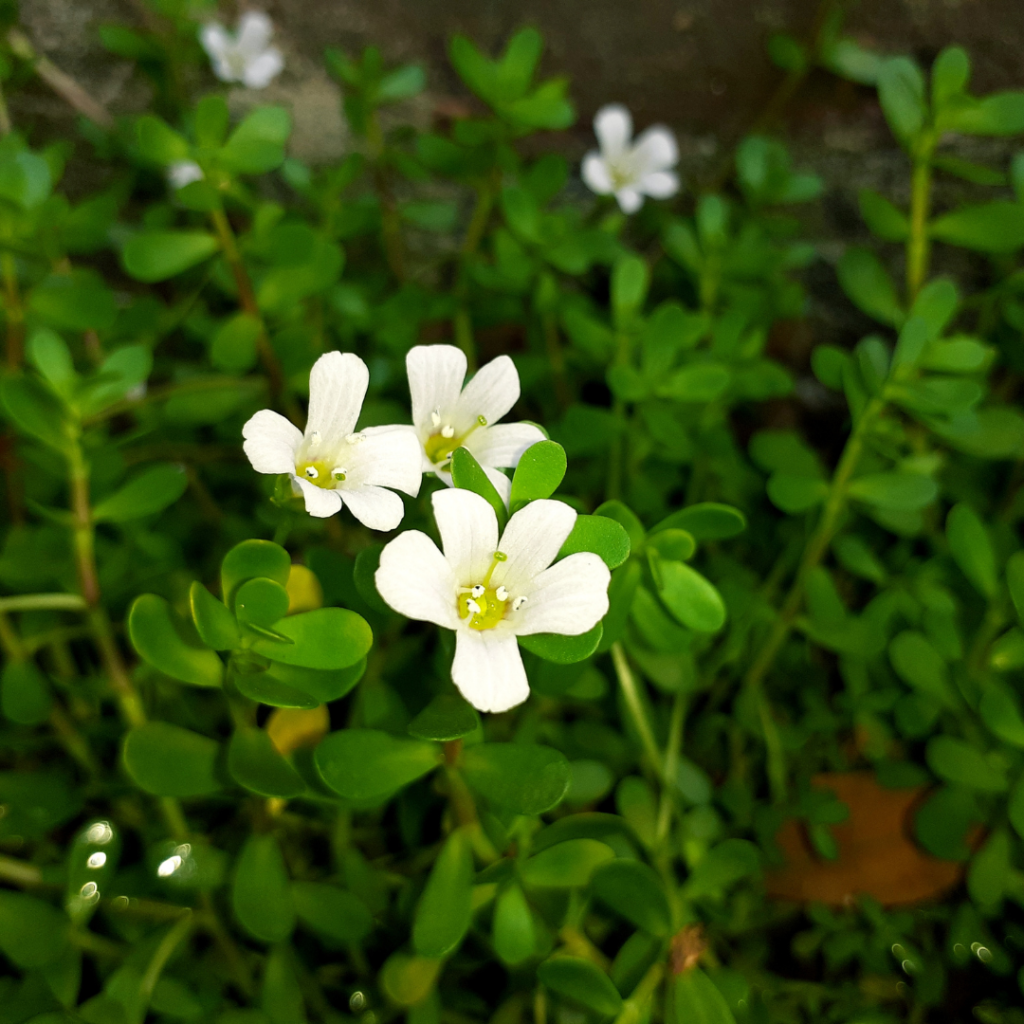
630, 171
447, 416
492, 591
184, 172
329, 464
245, 56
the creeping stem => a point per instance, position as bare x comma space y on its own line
634, 702
918, 247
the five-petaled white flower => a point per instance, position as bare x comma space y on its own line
492, 591
246, 55
627, 170
447, 416
331, 465
184, 172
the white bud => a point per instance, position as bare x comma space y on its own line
501, 594
448, 431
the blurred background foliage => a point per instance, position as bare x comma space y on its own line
786, 785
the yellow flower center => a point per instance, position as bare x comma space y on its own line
483, 604
320, 474
440, 445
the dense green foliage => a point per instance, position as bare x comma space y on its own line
236, 788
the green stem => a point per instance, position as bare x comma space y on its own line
817, 546
672, 753
15, 312
634, 1009
462, 321
43, 602
918, 247
617, 455
556, 357
634, 703
168, 944
391, 222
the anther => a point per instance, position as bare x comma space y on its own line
481, 421
435, 417
477, 591
448, 432
501, 594
500, 556
339, 472
518, 603
472, 607
312, 472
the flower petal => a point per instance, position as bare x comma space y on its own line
254, 33
214, 39
262, 70
385, 457
436, 373
488, 669
375, 507
570, 597
660, 184
504, 444
502, 484
630, 200
613, 126
469, 532
417, 581
595, 174
271, 442
491, 393
337, 387
531, 541
655, 150
319, 502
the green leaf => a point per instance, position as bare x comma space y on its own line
1015, 581
630, 281
479, 73
950, 74
1015, 807
153, 256
901, 92
443, 914
540, 471
261, 602
1000, 113
517, 65
919, 665
723, 866
521, 777
214, 623
697, 1000
281, 995
944, 821
257, 144
700, 382
894, 492
266, 687
447, 717
869, 287
260, 892
34, 410
151, 491
327, 638
957, 761
26, 696
990, 874
466, 473
250, 559
170, 644
795, 494
996, 227
671, 545
320, 686
32, 933
1000, 711
601, 535
706, 520
50, 355
255, 763
75, 300
563, 650
634, 890
970, 546
514, 934
159, 142
235, 345
401, 84
693, 600
366, 764
621, 592
211, 123
334, 913
170, 761
882, 218
582, 981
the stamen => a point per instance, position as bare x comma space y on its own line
498, 556
312, 472
478, 591
435, 417
448, 432
481, 421
339, 472
501, 594
518, 603
472, 606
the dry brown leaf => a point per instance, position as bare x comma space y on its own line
877, 854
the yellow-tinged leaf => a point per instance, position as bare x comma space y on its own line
304, 591
292, 728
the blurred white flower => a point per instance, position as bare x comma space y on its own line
492, 591
447, 416
329, 464
246, 55
628, 170
184, 172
